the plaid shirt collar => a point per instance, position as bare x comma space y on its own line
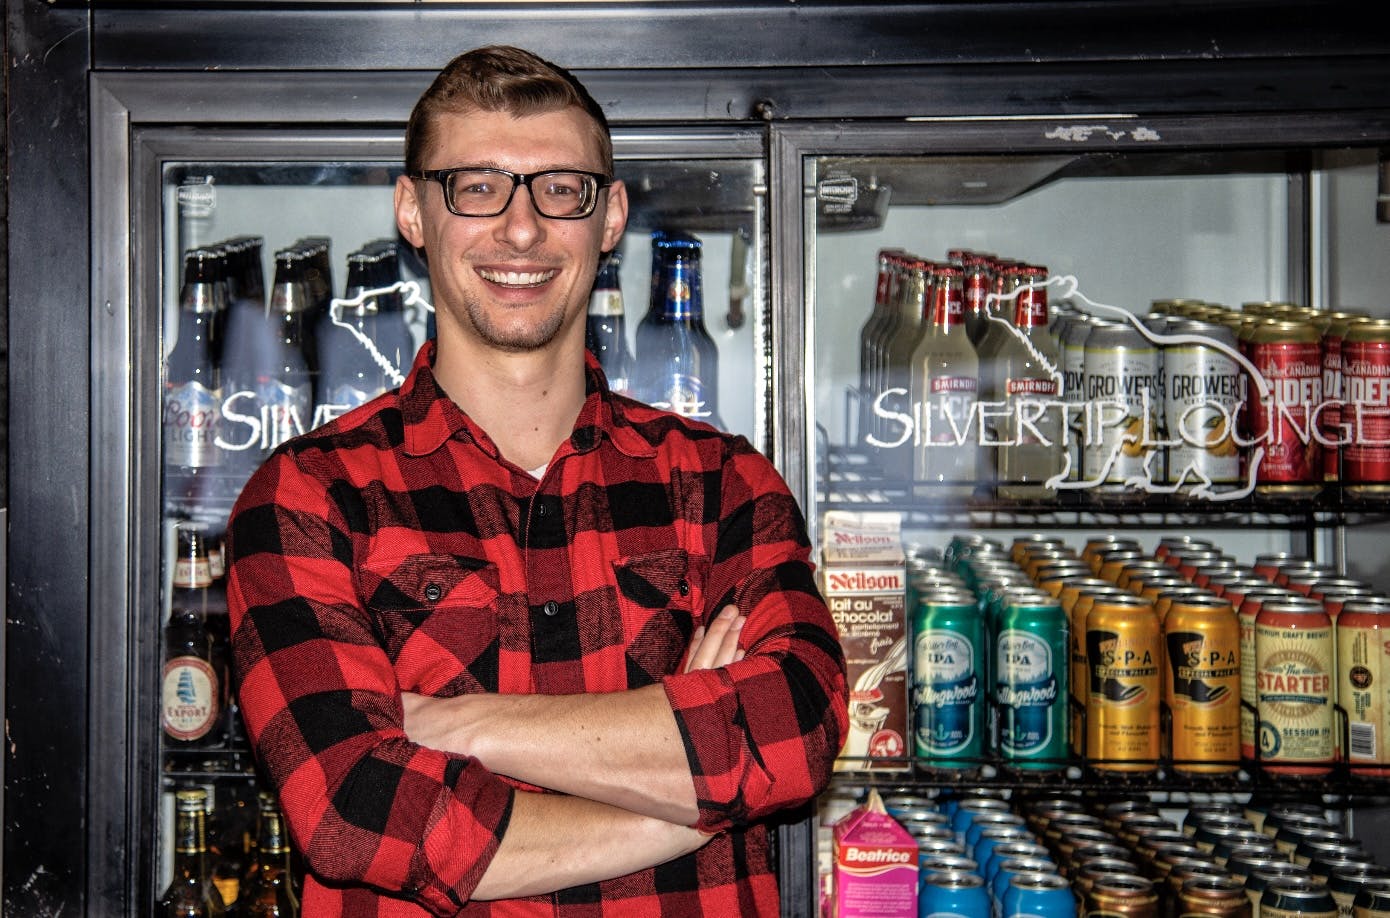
430, 417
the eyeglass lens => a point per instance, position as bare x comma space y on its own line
487, 192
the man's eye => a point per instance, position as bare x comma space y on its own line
560, 190
479, 188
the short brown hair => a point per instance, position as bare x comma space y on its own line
500, 78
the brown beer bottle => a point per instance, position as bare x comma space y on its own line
192, 686
189, 895
269, 888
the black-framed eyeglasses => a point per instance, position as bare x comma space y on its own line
560, 194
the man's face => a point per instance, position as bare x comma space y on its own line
517, 280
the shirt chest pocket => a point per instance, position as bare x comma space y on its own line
437, 617
659, 602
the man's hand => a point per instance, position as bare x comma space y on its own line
716, 645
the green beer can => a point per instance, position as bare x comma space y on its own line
948, 640
1030, 682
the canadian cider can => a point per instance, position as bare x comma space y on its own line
1123, 652
1282, 409
1202, 684
1294, 688
1365, 415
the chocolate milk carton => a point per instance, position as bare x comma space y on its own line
864, 579
875, 865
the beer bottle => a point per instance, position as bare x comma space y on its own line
348, 374
677, 359
393, 336
192, 685
894, 405
1020, 375
605, 333
269, 889
977, 281
190, 895
193, 388
869, 335
316, 269
944, 384
285, 382
248, 350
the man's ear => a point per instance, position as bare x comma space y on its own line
615, 215
408, 217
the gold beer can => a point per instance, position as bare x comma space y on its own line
1201, 684
1123, 653
1121, 896
1221, 896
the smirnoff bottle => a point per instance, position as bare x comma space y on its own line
1020, 371
944, 385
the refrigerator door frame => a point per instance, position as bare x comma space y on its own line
137, 126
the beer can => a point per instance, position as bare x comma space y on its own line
1122, 707
1246, 613
1168, 544
1146, 566
1014, 867
954, 892
1202, 685
1306, 816
1047, 895
1096, 545
1113, 561
1293, 832
1327, 845
1071, 823
1203, 396
1373, 901
1015, 853
1283, 420
1127, 895
1024, 546
1258, 881
1249, 841
948, 638
993, 837
1085, 876
1294, 688
1123, 407
1347, 883
1333, 335
1222, 811
1134, 826
1218, 896
1039, 811
963, 812
1363, 678
1325, 865
1077, 672
1297, 897
1365, 415
1030, 685
984, 822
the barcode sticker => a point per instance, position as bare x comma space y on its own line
1362, 740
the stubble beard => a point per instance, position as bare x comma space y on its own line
514, 336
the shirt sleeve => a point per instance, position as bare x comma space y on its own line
322, 707
762, 734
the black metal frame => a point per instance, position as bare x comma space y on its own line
69, 772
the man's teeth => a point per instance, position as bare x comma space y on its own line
517, 278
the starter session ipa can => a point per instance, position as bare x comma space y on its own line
1122, 707
1294, 687
1202, 684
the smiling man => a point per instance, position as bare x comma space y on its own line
507, 643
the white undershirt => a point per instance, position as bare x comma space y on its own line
539, 473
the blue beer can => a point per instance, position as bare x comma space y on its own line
948, 640
953, 893
1044, 894
1030, 682
1007, 870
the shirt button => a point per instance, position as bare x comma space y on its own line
583, 438
684, 588
551, 608
542, 509
433, 592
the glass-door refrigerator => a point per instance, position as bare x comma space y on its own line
258, 289
1032, 341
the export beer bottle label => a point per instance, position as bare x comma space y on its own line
945, 690
1294, 700
189, 698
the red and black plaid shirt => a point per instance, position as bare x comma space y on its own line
395, 550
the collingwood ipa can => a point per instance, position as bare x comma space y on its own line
1294, 687
1202, 684
1122, 706
948, 639
1030, 683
